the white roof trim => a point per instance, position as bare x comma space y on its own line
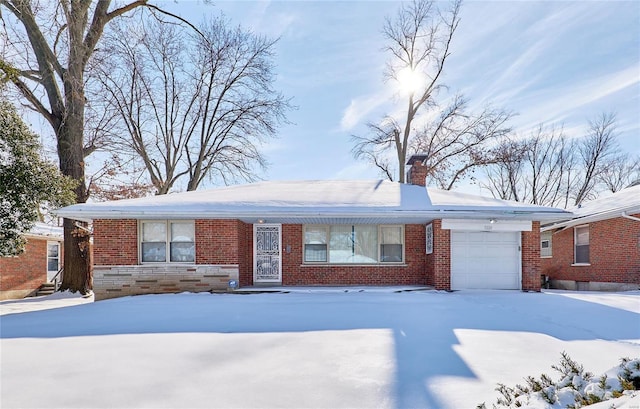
300, 217
295, 202
612, 214
45, 231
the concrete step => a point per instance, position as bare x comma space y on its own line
46, 289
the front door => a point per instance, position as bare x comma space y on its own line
267, 253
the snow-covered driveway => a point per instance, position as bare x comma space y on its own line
331, 349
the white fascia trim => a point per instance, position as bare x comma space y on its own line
492, 225
418, 215
43, 237
611, 214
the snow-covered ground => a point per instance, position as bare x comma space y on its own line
306, 348
56, 300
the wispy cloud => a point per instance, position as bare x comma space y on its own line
555, 105
361, 107
261, 17
513, 71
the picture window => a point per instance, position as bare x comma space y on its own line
353, 244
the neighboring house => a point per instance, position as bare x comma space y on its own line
23, 275
314, 233
597, 249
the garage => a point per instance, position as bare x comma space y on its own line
485, 260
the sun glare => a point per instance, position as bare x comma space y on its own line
410, 81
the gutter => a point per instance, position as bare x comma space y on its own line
626, 216
591, 219
436, 214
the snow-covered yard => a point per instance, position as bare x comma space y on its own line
309, 348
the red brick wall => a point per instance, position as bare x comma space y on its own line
614, 253
294, 273
245, 248
115, 242
531, 258
219, 241
438, 263
231, 242
26, 271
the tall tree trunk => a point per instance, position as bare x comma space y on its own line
77, 254
77, 258
78, 33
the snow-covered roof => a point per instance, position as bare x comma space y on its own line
46, 230
624, 202
321, 201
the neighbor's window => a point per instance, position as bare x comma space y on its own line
545, 244
168, 240
356, 244
581, 237
53, 257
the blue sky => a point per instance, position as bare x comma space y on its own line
551, 62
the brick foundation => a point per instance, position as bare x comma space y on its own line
120, 281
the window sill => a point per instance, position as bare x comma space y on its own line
580, 264
546, 256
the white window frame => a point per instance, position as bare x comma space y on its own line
575, 245
57, 244
546, 237
379, 244
167, 241
327, 229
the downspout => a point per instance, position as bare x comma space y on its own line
626, 216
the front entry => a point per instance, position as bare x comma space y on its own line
267, 253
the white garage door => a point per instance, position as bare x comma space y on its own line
485, 260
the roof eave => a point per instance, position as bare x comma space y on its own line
610, 214
416, 215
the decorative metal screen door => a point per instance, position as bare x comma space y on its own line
267, 253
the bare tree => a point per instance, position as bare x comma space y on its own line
595, 153
119, 177
49, 47
193, 107
550, 169
539, 169
506, 174
622, 171
418, 38
456, 143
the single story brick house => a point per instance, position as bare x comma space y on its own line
598, 248
326, 232
23, 275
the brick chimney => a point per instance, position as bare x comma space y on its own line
417, 173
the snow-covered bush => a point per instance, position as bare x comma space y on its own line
574, 389
27, 181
